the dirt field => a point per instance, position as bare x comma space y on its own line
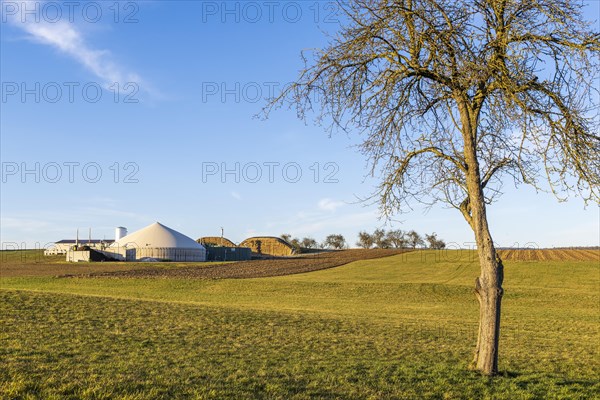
550, 255
33, 263
28, 269
255, 268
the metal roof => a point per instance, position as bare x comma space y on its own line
84, 241
155, 236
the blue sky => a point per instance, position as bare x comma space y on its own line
128, 115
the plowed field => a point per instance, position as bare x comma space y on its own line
550, 255
256, 268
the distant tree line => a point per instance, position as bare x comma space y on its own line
380, 238
334, 241
398, 239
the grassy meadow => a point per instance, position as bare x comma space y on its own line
400, 327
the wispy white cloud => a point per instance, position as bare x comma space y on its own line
67, 38
236, 195
330, 204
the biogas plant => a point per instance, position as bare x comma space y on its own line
157, 242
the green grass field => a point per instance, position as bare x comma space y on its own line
397, 327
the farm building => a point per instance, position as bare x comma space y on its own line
63, 246
158, 241
222, 249
221, 253
85, 253
216, 241
269, 245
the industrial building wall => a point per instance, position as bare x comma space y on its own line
78, 256
92, 255
57, 248
172, 254
228, 253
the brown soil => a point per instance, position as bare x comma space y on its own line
254, 268
550, 255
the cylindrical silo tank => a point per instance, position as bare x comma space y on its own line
120, 232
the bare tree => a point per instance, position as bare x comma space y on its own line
365, 240
396, 238
435, 243
453, 95
294, 242
380, 239
414, 240
309, 243
337, 242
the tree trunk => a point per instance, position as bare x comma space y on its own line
488, 290
488, 286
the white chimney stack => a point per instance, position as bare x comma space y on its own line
120, 232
